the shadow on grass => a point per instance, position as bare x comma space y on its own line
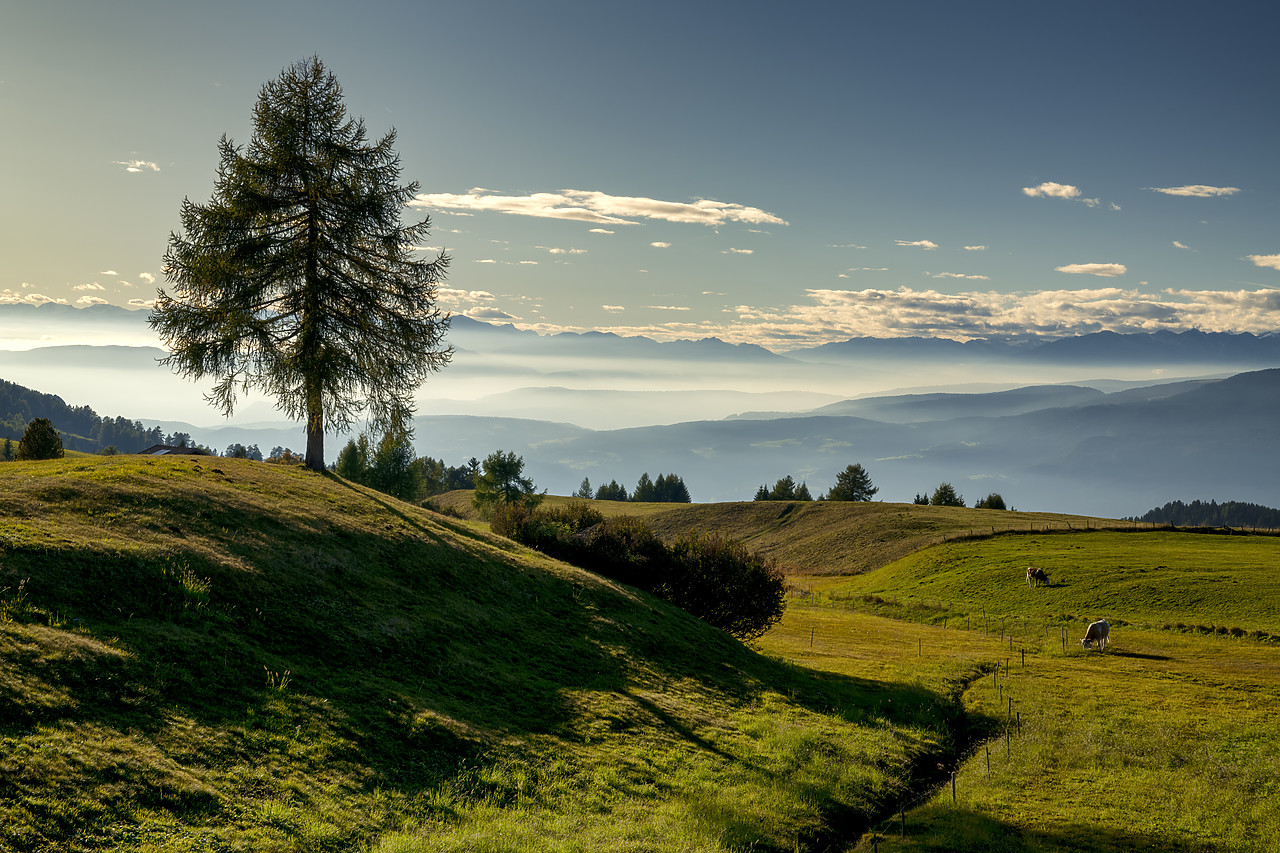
1137, 655
960, 830
411, 655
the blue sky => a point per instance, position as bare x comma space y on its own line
781, 174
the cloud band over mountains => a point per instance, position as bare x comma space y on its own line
597, 207
835, 315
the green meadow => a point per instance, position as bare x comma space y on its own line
216, 654
1167, 741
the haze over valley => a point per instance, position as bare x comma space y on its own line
1108, 425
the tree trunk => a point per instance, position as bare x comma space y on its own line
315, 427
315, 442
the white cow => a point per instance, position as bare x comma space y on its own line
1098, 632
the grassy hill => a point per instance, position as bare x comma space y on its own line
1164, 742
217, 654
824, 537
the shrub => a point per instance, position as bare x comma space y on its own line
40, 441
992, 501
721, 582
714, 578
503, 482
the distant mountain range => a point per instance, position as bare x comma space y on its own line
1066, 449
1103, 424
26, 322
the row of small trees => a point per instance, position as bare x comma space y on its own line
79, 426
390, 465
946, 495
668, 488
852, 484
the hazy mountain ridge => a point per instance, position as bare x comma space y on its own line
610, 407
1114, 458
1193, 346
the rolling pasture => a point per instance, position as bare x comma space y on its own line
1167, 741
217, 654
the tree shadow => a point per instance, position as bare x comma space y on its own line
1136, 655
964, 830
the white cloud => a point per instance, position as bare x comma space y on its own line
91, 300
598, 207
1179, 245
1272, 261
959, 275
660, 245
847, 246
739, 252
919, 244
614, 309
1049, 189
832, 315
1107, 270
11, 297
454, 295
1196, 191
975, 248
147, 277
601, 231
488, 314
136, 165
142, 303
485, 261
533, 263
90, 286
108, 272
557, 251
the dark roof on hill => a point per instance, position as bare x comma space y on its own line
167, 449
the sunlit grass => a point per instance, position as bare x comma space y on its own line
220, 654
1166, 742
223, 654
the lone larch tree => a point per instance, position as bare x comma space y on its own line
298, 278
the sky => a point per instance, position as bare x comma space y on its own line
778, 174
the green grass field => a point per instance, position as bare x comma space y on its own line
1167, 741
216, 654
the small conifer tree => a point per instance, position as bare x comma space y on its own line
40, 441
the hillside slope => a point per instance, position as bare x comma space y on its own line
221, 654
822, 537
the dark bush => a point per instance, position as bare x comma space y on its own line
40, 441
721, 582
714, 578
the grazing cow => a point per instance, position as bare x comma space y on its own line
1098, 632
1035, 577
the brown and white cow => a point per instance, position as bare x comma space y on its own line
1098, 632
1035, 577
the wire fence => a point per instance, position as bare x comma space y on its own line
895, 823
